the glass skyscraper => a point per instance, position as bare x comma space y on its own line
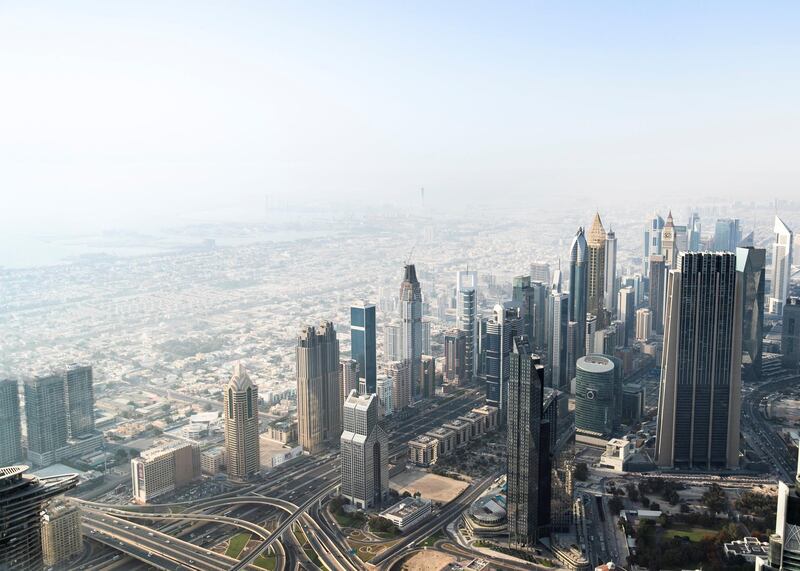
362, 342
501, 329
750, 266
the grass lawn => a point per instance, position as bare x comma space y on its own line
236, 544
693, 533
345, 520
269, 562
301, 537
432, 539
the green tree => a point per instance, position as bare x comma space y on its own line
581, 471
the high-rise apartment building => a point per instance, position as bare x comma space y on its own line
318, 400
781, 266
652, 240
467, 317
595, 389
427, 376
411, 323
699, 402
391, 343
790, 334
627, 313
348, 377
164, 469
595, 275
10, 430
727, 234
610, 273
22, 498
385, 390
240, 413
364, 453
79, 389
644, 324
46, 417
399, 373
658, 280
528, 448
578, 283
62, 538
455, 357
362, 343
750, 266
501, 329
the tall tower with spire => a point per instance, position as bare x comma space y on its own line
595, 283
669, 248
411, 324
577, 289
242, 453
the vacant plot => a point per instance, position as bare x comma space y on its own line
429, 560
430, 486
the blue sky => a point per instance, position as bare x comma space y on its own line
119, 112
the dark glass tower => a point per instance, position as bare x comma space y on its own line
699, 403
750, 268
658, 278
529, 433
500, 332
522, 294
578, 275
362, 342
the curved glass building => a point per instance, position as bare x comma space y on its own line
594, 396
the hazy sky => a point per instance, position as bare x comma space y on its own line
117, 112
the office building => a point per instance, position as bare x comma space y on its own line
699, 401
669, 247
62, 538
385, 390
652, 240
644, 324
658, 280
781, 266
467, 317
575, 337
790, 334
348, 377
627, 314
501, 329
522, 295
22, 499
399, 373
540, 295
240, 413
411, 324
727, 234
528, 449
427, 377
610, 273
750, 269
364, 453
79, 391
559, 326
362, 343
408, 513
694, 234
455, 357
578, 268
595, 382
213, 460
10, 430
46, 416
391, 344
164, 469
318, 401
591, 329
540, 272
595, 276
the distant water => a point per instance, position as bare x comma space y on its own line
32, 251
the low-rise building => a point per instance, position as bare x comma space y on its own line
423, 450
212, 461
61, 532
617, 454
164, 469
749, 548
408, 513
283, 431
487, 515
477, 424
446, 439
491, 413
462, 430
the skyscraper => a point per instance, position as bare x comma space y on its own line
627, 313
781, 266
427, 376
540, 296
501, 329
391, 343
522, 294
318, 400
384, 391
559, 325
540, 272
10, 430
400, 374
694, 233
61, 532
79, 390
595, 276
610, 273
578, 259
528, 448
455, 352
727, 234
644, 324
348, 377
362, 342
750, 264
22, 497
658, 278
467, 316
594, 396
411, 323
364, 453
790, 335
652, 240
699, 401
46, 416
240, 410
669, 246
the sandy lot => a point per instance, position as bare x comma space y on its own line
430, 486
429, 560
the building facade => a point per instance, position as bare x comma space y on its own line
658, 280
411, 342
363, 334
62, 538
467, 317
79, 392
364, 453
699, 402
164, 469
750, 269
644, 324
46, 417
501, 329
318, 400
781, 266
427, 376
10, 429
578, 282
610, 273
455, 357
790, 334
240, 406
400, 375
595, 275
594, 396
